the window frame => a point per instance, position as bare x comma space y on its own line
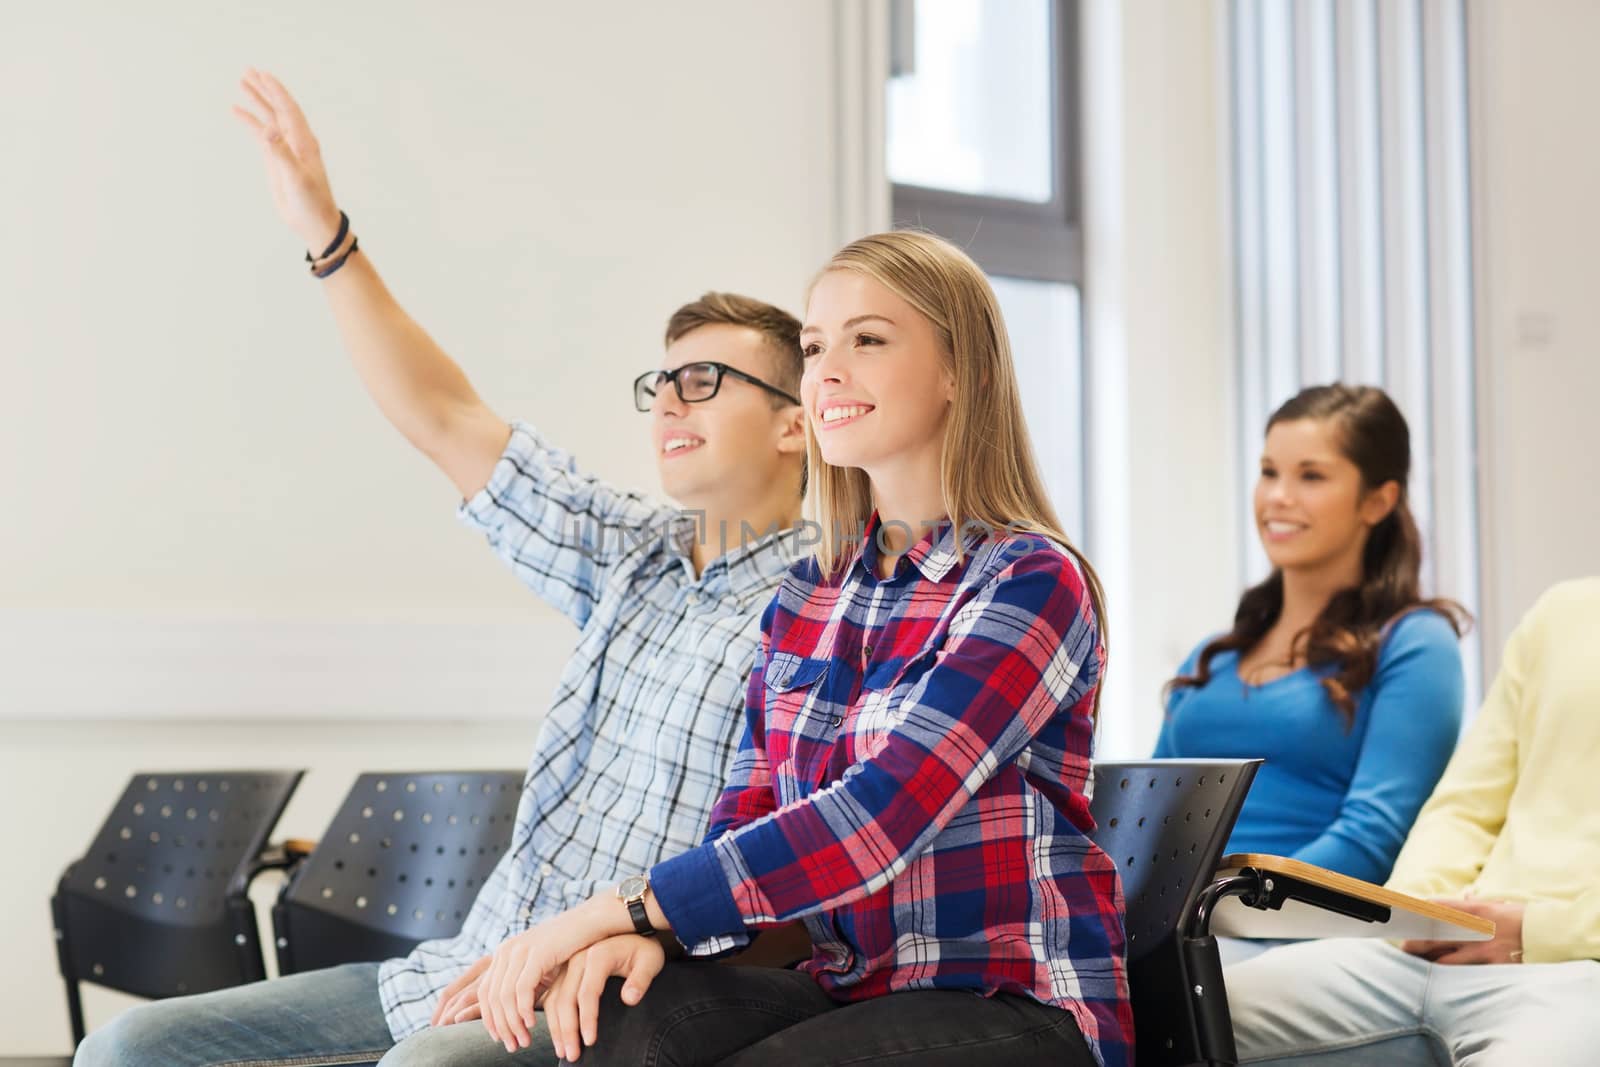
1023, 239
1010, 237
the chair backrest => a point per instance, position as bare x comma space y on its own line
157, 906
1165, 823
401, 863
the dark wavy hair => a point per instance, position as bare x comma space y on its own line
1371, 433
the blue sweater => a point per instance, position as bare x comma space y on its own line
1339, 798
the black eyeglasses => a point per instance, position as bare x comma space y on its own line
695, 382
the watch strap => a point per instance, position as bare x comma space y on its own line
640, 917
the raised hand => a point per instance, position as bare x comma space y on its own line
295, 172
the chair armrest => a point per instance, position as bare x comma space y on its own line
283, 855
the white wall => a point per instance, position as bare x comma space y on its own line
1537, 168
180, 437
205, 520
1163, 492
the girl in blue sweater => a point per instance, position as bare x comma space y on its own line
1336, 671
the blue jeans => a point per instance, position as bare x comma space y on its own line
304, 1020
1355, 1003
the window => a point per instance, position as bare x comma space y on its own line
982, 150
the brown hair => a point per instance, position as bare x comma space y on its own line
987, 471
780, 329
1370, 432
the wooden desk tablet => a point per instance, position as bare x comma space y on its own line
1390, 914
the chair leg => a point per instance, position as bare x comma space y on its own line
282, 938
69, 975
75, 1010
242, 914
1209, 996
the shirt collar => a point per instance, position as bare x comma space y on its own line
934, 555
746, 568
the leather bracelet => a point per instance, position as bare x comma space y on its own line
355, 244
338, 239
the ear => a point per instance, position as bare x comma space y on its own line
1380, 503
792, 431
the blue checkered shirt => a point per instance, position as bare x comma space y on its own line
647, 713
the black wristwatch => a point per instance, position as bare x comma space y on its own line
631, 891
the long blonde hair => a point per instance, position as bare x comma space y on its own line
987, 472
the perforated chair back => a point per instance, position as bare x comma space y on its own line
1165, 823
401, 863
157, 907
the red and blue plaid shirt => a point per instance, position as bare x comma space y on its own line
911, 786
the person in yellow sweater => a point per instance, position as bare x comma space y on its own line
1511, 833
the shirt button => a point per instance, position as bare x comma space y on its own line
527, 913
547, 870
838, 720
583, 808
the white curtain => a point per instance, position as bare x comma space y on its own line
1352, 238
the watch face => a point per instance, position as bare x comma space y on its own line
633, 887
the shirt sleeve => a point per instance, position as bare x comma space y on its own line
560, 531
1166, 741
1554, 931
1023, 650
1458, 826
1164, 746
748, 794
1413, 721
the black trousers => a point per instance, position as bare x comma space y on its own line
714, 1014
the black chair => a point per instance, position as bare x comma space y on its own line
1166, 823
401, 863
158, 906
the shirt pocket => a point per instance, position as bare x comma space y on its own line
801, 721
902, 672
882, 706
787, 672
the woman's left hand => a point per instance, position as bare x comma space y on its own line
572, 1007
524, 966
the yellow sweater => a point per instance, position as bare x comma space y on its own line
1517, 814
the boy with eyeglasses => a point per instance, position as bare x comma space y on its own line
647, 714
